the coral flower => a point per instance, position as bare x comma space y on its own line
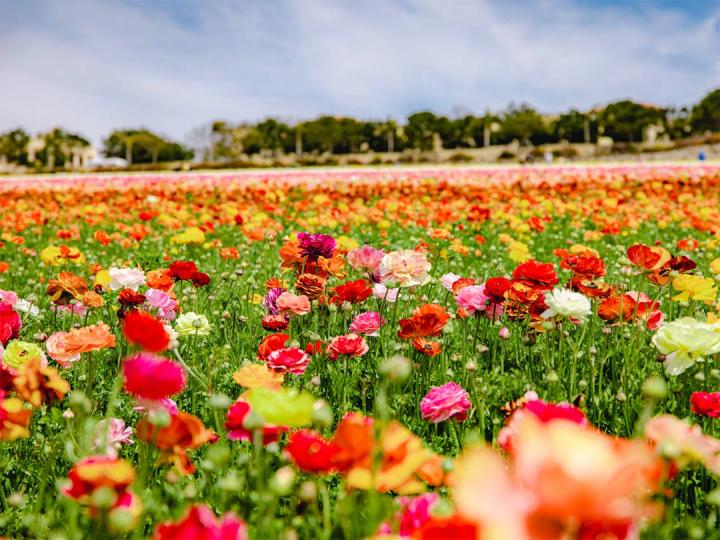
55, 348
310, 285
311, 452
426, 321
143, 329
88, 339
297, 305
683, 443
290, 360
272, 343
200, 523
160, 279
10, 323
348, 345
151, 377
66, 287
444, 402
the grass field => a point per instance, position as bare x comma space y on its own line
491, 353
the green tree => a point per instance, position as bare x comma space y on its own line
59, 146
625, 120
13, 145
706, 114
143, 146
523, 123
422, 127
574, 126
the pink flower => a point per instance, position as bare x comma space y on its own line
148, 406
298, 305
55, 347
200, 523
349, 345
443, 402
111, 435
78, 309
472, 298
415, 512
407, 268
383, 293
164, 304
152, 377
504, 333
366, 258
367, 323
8, 297
289, 360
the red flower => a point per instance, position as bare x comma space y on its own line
587, 266
706, 403
536, 275
236, 429
290, 360
200, 523
146, 331
315, 347
354, 292
349, 345
152, 377
10, 323
200, 279
183, 270
495, 289
275, 322
128, 297
311, 452
643, 256
270, 344
442, 528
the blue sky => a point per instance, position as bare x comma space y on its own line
91, 66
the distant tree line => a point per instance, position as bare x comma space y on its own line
623, 121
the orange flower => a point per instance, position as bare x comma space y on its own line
258, 376
229, 253
14, 419
66, 287
92, 299
38, 384
159, 279
185, 432
427, 320
87, 339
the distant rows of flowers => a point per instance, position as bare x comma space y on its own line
466, 354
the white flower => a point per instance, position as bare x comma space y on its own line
25, 306
685, 341
173, 337
383, 293
192, 324
126, 278
567, 303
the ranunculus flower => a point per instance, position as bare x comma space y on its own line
10, 323
367, 323
317, 245
366, 258
182, 270
448, 279
146, 331
311, 452
536, 275
152, 377
444, 402
200, 523
685, 341
568, 304
354, 292
406, 267
706, 403
192, 324
349, 345
296, 304
165, 305
88, 338
56, 349
383, 293
472, 298
290, 360
19, 353
271, 343
237, 431
126, 278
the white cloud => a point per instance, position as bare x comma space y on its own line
92, 66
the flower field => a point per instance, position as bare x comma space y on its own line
509, 353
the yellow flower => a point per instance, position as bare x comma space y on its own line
191, 235
686, 341
694, 288
715, 267
102, 278
346, 243
518, 252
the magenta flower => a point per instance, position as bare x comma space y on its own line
443, 402
367, 323
314, 246
151, 377
270, 301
